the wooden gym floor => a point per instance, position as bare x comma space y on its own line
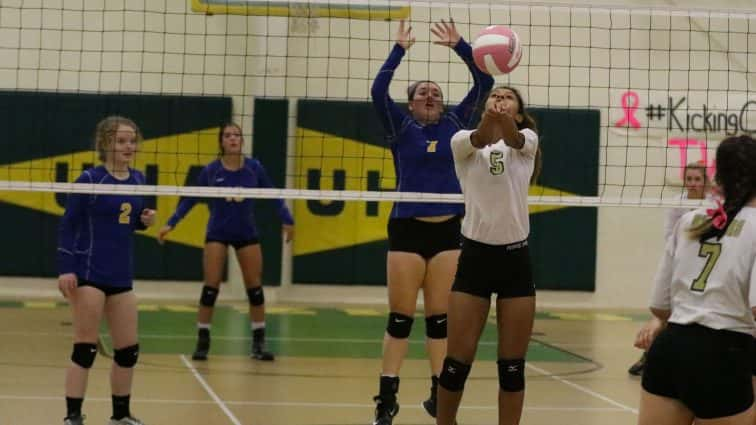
326, 371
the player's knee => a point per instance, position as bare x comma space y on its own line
435, 326
127, 356
399, 325
511, 374
209, 295
453, 375
256, 296
84, 354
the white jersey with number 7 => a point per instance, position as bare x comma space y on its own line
712, 283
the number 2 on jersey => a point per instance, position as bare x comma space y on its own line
125, 216
711, 252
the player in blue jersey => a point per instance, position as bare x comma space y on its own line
231, 223
423, 238
95, 268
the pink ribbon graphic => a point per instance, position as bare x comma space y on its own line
629, 108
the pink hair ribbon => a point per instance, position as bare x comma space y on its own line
718, 216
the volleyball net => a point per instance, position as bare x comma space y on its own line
624, 99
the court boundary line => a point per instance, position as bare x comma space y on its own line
307, 404
209, 390
582, 389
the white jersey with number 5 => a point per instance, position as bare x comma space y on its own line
711, 283
495, 183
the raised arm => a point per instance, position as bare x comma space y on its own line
489, 131
482, 83
390, 115
264, 182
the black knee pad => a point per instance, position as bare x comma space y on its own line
453, 375
209, 295
511, 374
399, 325
256, 296
435, 326
127, 356
84, 354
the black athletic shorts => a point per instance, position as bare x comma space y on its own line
107, 289
503, 270
708, 370
236, 244
422, 237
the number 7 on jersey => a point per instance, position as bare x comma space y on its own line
711, 252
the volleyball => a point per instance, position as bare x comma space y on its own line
497, 50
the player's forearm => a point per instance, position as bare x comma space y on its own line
477, 140
185, 205
512, 136
661, 314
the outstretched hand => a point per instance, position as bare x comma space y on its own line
163, 233
446, 32
404, 36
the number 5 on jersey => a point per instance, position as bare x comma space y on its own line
497, 162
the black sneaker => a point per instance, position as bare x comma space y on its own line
259, 352
203, 347
430, 404
385, 410
637, 368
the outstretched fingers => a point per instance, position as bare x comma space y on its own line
404, 35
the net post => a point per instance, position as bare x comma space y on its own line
291, 152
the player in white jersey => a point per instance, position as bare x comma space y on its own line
697, 186
495, 164
699, 366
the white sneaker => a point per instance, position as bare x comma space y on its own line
77, 420
128, 420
